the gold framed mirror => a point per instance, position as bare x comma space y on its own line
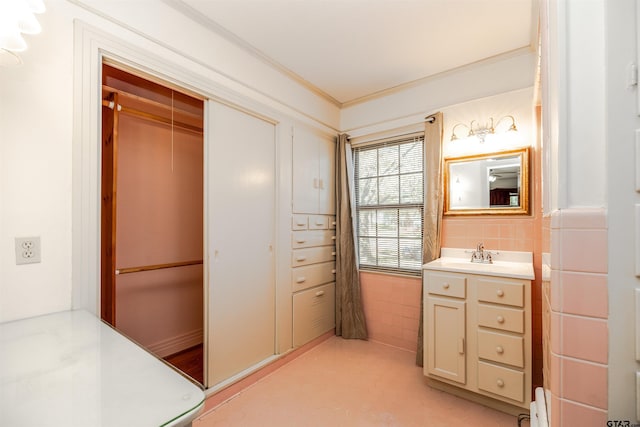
487, 184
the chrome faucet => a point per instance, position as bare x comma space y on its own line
480, 255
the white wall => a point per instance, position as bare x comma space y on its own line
575, 102
621, 123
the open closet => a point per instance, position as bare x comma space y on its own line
152, 233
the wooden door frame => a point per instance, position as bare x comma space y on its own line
108, 209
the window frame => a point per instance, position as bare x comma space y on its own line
398, 207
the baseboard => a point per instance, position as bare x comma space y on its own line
175, 344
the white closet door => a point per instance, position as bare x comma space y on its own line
241, 234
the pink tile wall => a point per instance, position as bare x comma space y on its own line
392, 308
577, 359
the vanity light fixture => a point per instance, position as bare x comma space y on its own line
17, 17
481, 131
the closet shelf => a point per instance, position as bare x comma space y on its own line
128, 270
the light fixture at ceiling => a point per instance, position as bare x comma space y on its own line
17, 17
481, 131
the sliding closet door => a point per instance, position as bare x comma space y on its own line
241, 235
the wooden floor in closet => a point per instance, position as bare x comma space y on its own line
189, 361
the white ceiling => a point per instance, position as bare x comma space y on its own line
350, 49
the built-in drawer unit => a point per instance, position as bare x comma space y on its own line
450, 285
503, 318
311, 238
502, 381
498, 291
312, 275
313, 222
318, 222
300, 257
299, 222
502, 348
313, 313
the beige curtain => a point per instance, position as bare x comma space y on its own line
350, 322
433, 204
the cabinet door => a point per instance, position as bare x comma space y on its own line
326, 176
445, 339
305, 172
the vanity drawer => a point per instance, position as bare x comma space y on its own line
310, 238
450, 285
318, 222
313, 313
299, 222
312, 275
501, 381
507, 319
508, 292
307, 256
507, 349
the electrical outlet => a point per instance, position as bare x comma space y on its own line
27, 250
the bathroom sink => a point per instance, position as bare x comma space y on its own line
505, 263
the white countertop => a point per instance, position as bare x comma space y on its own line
518, 265
71, 369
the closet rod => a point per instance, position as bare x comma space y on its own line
157, 267
151, 102
154, 117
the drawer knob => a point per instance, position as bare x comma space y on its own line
319, 293
500, 319
333, 254
499, 349
333, 237
500, 293
333, 223
301, 258
333, 271
301, 279
446, 285
500, 383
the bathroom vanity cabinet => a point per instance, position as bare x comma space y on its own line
477, 336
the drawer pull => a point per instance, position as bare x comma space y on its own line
333, 271
500, 293
301, 224
319, 223
446, 285
300, 241
499, 349
500, 319
301, 279
500, 383
301, 258
333, 237
319, 293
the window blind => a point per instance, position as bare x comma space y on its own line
389, 182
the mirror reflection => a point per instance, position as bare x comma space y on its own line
494, 183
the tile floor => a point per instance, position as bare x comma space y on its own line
350, 383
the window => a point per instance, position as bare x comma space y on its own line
389, 204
